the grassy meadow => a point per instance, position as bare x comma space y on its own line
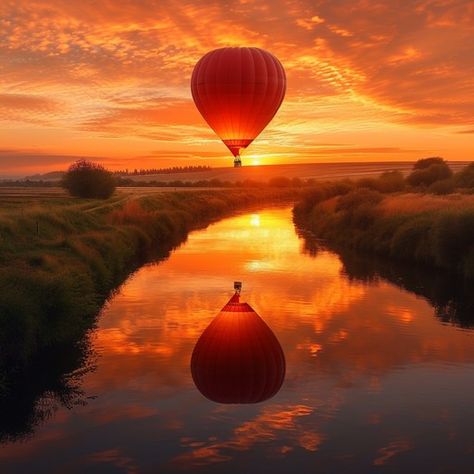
60, 257
431, 224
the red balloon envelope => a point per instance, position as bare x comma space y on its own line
238, 359
238, 91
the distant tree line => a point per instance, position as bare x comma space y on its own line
276, 182
172, 170
429, 175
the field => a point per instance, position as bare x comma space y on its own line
38, 198
23, 194
316, 171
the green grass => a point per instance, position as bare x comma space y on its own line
436, 231
60, 258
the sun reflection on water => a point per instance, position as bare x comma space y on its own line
351, 347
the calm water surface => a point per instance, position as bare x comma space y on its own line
378, 378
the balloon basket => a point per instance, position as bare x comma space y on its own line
237, 162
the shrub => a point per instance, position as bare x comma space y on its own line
465, 177
443, 186
296, 182
89, 180
358, 208
357, 198
409, 237
314, 196
426, 230
425, 163
391, 182
428, 175
279, 182
453, 236
369, 183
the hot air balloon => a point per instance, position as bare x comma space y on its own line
238, 91
238, 359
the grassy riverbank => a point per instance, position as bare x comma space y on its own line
421, 228
60, 258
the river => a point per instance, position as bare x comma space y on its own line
379, 368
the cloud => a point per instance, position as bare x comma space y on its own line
153, 113
20, 163
121, 69
27, 102
25, 161
385, 454
266, 426
28, 108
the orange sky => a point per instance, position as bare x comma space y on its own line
367, 80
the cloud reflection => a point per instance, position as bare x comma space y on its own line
363, 355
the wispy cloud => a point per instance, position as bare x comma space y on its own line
380, 76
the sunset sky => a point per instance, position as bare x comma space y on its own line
109, 80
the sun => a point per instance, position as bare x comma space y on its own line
255, 220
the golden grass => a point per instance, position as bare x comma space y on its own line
411, 203
420, 228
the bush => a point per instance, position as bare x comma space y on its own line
453, 236
369, 183
89, 180
358, 207
391, 182
313, 196
357, 198
465, 177
409, 240
279, 182
427, 171
444, 186
436, 232
425, 163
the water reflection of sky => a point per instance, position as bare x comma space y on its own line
373, 379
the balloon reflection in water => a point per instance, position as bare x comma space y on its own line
238, 359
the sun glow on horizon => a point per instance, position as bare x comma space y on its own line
360, 87
255, 220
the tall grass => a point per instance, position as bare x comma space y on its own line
430, 230
58, 263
